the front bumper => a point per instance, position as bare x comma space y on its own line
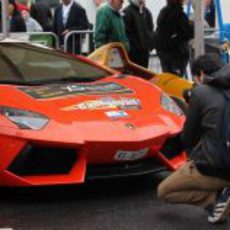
41, 164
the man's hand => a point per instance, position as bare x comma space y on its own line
65, 32
187, 94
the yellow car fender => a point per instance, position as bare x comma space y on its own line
114, 55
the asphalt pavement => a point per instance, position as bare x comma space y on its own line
128, 204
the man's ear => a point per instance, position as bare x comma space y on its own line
202, 74
198, 79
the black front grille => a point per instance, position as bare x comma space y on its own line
139, 167
34, 161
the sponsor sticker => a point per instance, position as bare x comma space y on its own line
122, 155
62, 90
123, 103
116, 114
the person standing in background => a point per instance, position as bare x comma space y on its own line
139, 28
69, 16
110, 26
98, 2
21, 5
31, 24
16, 21
41, 12
210, 12
173, 33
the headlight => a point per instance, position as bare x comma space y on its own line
168, 104
24, 119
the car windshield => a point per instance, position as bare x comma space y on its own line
24, 63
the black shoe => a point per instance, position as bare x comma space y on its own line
221, 208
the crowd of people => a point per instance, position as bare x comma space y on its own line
132, 26
205, 179
23, 19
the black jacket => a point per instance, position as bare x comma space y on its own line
173, 30
42, 13
139, 28
77, 20
17, 23
202, 130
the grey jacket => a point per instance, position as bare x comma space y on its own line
202, 130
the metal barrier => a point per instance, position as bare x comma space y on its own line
79, 42
44, 38
215, 33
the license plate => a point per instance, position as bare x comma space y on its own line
122, 155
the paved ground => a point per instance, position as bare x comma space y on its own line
105, 205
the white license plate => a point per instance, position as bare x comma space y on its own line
122, 155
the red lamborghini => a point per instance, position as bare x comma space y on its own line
65, 119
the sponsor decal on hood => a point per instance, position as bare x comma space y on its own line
123, 103
116, 114
63, 90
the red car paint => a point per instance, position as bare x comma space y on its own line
79, 122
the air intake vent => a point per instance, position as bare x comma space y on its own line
34, 161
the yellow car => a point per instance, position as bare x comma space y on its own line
115, 56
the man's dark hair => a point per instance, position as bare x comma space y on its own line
208, 63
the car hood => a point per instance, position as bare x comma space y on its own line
111, 108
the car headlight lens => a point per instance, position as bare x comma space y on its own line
168, 104
24, 119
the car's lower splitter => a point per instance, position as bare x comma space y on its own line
136, 168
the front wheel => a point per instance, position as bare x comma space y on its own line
160, 176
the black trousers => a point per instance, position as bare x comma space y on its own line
73, 44
139, 57
173, 63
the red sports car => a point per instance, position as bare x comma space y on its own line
65, 119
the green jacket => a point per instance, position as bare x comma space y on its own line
110, 27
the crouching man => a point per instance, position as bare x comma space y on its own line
205, 179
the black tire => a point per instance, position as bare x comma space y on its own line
160, 176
